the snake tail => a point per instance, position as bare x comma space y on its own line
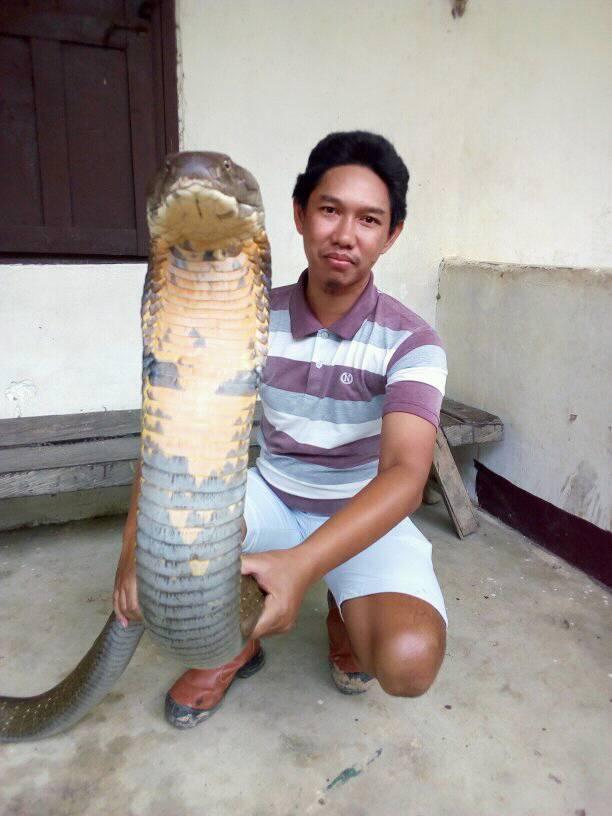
56, 710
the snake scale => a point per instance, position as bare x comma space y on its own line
205, 329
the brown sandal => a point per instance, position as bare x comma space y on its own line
198, 693
345, 670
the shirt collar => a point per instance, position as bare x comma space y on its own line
304, 322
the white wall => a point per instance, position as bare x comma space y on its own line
70, 338
265, 80
532, 345
503, 118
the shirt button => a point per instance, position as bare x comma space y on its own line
324, 334
319, 365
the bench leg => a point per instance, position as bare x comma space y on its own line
452, 488
431, 493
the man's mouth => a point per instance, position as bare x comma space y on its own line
339, 259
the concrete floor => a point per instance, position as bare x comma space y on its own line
517, 722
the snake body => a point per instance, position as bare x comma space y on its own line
205, 325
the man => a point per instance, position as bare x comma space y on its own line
351, 394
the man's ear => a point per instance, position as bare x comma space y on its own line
298, 216
393, 236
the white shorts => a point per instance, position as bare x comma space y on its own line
400, 561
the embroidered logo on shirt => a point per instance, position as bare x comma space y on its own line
346, 378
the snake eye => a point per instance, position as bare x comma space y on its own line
227, 164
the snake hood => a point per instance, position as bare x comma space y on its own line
224, 196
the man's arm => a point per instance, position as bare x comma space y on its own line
125, 595
406, 454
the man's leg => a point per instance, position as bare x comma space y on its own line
397, 638
393, 614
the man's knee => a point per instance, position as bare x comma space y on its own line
407, 665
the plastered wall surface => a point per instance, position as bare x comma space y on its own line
532, 345
503, 117
70, 338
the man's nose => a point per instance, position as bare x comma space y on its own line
344, 234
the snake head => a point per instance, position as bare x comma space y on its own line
205, 198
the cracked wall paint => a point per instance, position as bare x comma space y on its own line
74, 333
19, 393
531, 344
581, 495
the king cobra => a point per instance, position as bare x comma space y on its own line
205, 327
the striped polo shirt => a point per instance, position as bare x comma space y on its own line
324, 392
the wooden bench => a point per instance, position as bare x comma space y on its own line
460, 425
58, 454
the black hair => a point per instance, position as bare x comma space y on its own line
357, 147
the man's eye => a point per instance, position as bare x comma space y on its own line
328, 209
369, 219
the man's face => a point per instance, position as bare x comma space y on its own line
345, 227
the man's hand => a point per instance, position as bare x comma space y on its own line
285, 577
125, 596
